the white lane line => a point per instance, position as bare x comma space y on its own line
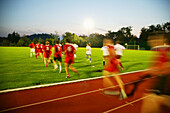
126, 104
66, 97
60, 83
52, 100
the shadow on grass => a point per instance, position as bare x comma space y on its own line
87, 65
100, 70
132, 65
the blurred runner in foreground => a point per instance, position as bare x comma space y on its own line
112, 68
159, 95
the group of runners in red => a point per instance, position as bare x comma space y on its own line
68, 49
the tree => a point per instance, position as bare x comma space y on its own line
13, 38
145, 32
5, 42
54, 36
24, 41
69, 36
35, 40
166, 26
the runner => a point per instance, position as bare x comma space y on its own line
112, 68
41, 50
57, 55
105, 53
32, 50
37, 46
159, 94
69, 51
47, 53
88, 52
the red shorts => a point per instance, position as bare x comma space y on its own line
112, 66
69, 60
36, 50
47, 55
56, 55
40, 51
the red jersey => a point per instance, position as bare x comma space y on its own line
41, 46
47, 48
32, 45
37, 46
112, 61
69, 49
58, 50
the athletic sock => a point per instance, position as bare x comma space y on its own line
87, 57
51, 61
60, 68
103, 63
30, 54
90, 60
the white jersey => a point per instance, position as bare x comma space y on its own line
119, 49
105, 50
88, 50
75, 46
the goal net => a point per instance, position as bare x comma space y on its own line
136, 47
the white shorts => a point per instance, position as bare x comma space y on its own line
32, 50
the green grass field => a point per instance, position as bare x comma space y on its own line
18, 70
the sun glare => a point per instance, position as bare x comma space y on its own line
89, 24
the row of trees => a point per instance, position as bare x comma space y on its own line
14, 39
146, 31
124, 35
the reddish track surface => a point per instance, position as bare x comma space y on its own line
79, 97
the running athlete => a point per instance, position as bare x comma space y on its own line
105, 53
41, 50
159, 93
32, 50
37, 46
112, 68
69, 51
88, 52
47, 53
57, 56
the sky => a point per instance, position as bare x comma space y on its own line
50, 16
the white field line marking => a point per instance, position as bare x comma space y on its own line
60, 83
66, 97
126, 104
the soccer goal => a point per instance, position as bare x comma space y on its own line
136, 47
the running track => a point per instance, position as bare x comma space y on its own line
76, 97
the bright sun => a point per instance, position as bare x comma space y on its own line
88, 23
